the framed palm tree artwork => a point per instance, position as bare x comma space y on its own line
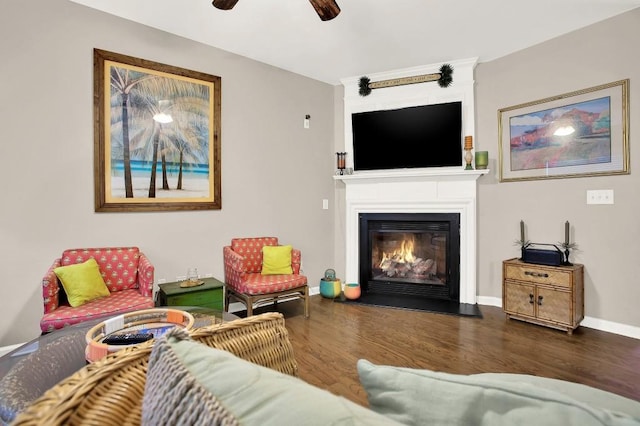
156, 136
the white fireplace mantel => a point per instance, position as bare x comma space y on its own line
428, 190
431, 174
441, 190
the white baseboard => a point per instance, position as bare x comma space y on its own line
490, 301
589, 322
611, 327
6, 349
236, 307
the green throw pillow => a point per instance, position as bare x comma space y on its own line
239, 392
583, 393
417, 397
276, 260
82, 282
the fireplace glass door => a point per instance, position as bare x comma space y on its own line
410, 254
411, 257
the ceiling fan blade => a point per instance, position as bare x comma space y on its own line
326, 9
224, 4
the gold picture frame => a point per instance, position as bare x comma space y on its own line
156, 136
576, 134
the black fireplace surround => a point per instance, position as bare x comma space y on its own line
410, 259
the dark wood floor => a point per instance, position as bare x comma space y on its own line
328, 344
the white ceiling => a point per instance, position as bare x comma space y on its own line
368, 36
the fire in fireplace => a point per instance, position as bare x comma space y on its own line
410, 254
410, 257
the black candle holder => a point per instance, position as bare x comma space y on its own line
567, 251
341, 159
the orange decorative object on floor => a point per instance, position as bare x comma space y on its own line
352, 291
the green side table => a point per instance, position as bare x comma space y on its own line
208, 295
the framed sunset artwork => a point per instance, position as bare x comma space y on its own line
582, 133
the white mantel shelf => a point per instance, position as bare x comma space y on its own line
440, 174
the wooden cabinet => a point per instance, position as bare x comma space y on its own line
209, 295
552, 296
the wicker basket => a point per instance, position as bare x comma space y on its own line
131, 321
110, 391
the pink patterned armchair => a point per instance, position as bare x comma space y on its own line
245, 282
127, 273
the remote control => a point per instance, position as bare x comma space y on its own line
127, 339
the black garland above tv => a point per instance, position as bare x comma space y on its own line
411, 137
444, 79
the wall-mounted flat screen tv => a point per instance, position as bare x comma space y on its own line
412, 137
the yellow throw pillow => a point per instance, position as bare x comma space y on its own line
82, 282
276, 260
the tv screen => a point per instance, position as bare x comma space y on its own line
420, 136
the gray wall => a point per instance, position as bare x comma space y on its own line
608, 236
274, 172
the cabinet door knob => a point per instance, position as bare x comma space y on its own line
540, 300
531, 298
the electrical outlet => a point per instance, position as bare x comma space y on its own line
181, 277
209, 275
162, 280
600, 196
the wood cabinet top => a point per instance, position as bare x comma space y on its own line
174, 287
517, 261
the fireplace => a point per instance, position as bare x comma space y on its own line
441, 191
448, 190
413, 255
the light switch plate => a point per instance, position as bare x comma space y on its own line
600, 196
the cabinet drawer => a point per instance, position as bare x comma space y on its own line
534, 274
519, 298
218, 305
199, 298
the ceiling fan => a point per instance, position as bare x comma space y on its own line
326, 9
